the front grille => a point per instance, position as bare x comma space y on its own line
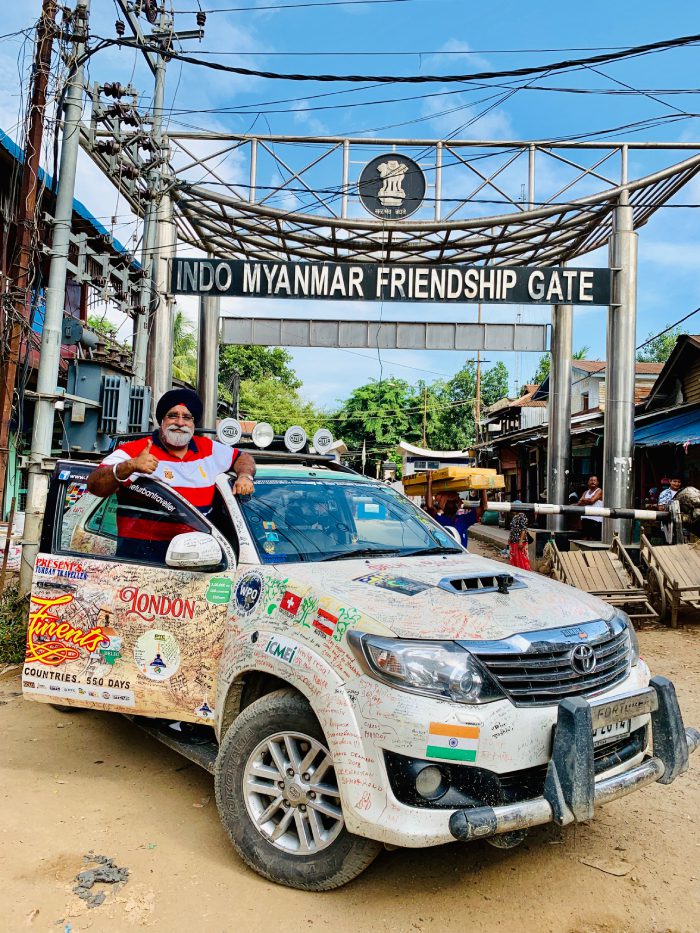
544, 674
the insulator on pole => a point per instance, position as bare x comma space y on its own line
114, 89
107, 146
201, 18
129, 171
120, 27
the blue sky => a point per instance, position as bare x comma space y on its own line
438, 36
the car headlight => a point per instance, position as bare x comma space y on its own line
437, 669
634, 641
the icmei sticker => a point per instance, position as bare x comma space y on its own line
157, 654
282, 648
248, 591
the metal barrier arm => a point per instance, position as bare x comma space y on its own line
547, 508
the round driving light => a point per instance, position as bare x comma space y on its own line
430, 783
229, 431
263, 434
294, 438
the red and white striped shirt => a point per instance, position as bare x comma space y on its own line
193, 476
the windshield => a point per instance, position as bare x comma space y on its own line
311, 520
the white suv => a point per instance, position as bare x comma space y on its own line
359, 679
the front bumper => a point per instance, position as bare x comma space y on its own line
571, 792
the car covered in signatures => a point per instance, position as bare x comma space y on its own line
357, 678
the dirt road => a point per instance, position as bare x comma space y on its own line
91, 782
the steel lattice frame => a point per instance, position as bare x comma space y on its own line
231, 218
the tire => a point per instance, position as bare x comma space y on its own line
67, 709
313, 850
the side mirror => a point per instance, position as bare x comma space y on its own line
451, 530
194, 550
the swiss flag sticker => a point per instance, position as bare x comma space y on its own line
290, 603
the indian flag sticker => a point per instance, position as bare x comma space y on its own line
452, 743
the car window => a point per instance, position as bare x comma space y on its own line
136, 523
311, 520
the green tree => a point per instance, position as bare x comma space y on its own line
658, 349
105, 328
379, 415
457, 403
184, 349
269, 400
255, 363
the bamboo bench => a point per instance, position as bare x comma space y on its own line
673, 577
608, 574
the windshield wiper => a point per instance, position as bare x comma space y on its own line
362, 552
432, 550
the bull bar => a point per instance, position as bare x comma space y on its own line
571, 791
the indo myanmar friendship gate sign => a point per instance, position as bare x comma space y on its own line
391, 282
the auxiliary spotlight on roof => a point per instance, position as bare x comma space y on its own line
263, 434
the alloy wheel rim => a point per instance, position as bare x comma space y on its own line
291, 793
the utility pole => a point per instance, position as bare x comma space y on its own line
425, 417
22, 270
47, 376
150, 221
160, 343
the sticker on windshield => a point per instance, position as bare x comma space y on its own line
248, 591
157, 654
396, 584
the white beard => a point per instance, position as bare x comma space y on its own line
177, 437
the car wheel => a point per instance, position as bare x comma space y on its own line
278, 797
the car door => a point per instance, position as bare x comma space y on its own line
124, 633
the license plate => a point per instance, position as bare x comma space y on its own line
611, 730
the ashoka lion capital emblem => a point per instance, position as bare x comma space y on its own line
392, 187
391, 194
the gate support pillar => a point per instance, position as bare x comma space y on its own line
620, 373
559, 439
208, 358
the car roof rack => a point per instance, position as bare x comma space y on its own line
275, 453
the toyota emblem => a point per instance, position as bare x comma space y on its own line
583, 659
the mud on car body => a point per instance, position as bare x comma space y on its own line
363, 678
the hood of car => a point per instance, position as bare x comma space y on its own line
452, 597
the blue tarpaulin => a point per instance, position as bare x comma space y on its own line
683, 428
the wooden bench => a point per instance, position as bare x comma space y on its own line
608, 574
673, 577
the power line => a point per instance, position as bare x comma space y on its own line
289, 6
567, 64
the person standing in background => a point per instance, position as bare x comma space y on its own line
592, 525
518, 541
